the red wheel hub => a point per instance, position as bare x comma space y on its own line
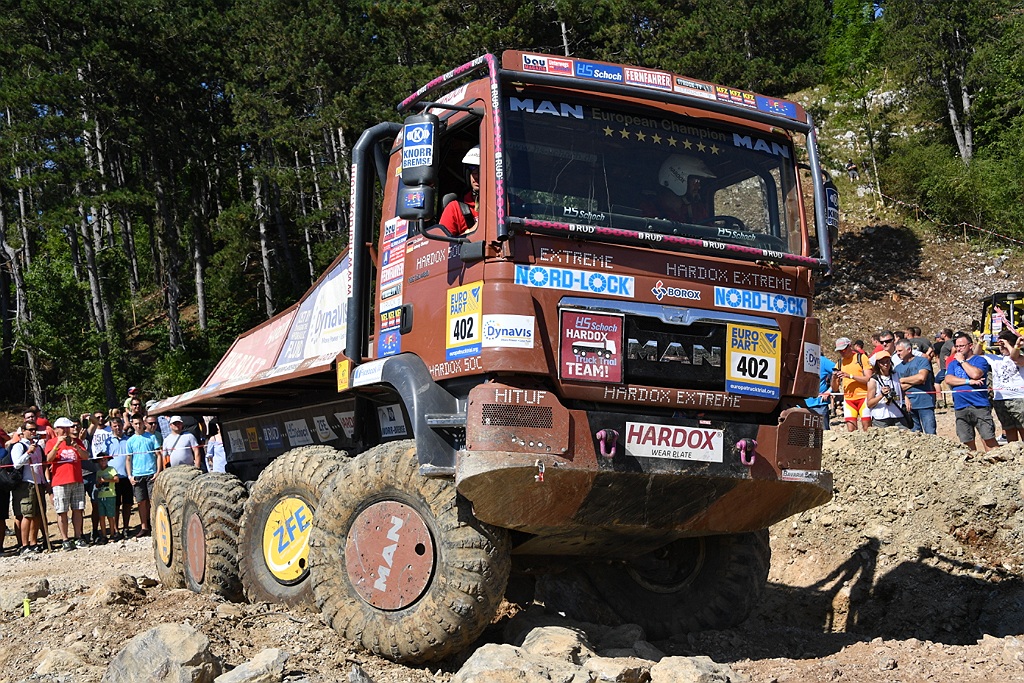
389, 555
196, 549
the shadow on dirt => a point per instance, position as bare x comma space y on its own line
874, 263
934, 598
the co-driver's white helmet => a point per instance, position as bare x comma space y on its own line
472, 157
676, 171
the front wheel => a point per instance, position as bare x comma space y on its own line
693, 584
399, 565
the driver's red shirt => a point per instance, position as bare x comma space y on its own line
452, 217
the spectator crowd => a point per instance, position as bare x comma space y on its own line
902, 377
105, 462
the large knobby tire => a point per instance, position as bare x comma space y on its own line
694, 584
209, 534
273, 540
399, 565
167, 503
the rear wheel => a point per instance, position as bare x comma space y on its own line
273, 541
693, 584
399, 565
209, 534
168, 500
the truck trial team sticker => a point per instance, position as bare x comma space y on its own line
753, 361
590, 347
464, 313
645, 440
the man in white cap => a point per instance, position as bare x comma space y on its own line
460, 217
854, 373
181, 446
65, 455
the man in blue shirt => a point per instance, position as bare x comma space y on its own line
820, 403
917, 380
142, 464
966, 374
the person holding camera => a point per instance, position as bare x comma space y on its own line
885, 395
65, 455
1008, 384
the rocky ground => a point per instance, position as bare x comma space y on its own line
912, 573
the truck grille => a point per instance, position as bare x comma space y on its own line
680, 356
500, 415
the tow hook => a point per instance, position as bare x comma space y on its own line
539, 477
609, 441
745, 446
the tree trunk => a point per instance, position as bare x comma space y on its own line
166, 245
305, 218
21, 311
128, 240
261, 221
960, 123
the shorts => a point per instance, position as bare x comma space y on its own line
143, 488
107, 506
1010, 413
26, 502
854, 408
68, 497
123, 489
970, 417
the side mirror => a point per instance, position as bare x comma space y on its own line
419, 167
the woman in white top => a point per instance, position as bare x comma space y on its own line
884, 393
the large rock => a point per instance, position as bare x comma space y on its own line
508, 664
618, 669
567, 644
117, 590
621, 637
13, 599
266, 667
168, 653
693, 670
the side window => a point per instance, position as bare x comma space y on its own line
459, 179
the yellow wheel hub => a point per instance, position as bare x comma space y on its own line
286, 539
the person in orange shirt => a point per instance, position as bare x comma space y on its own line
854, 373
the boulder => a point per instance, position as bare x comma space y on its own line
693, 670
117, 590
622, 636
618, 669
266, 667
13, 599
168, 653
508, 664
57, 662
567, 644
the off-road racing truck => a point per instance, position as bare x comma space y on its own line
421, 425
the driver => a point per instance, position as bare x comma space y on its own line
680, 196
460, 216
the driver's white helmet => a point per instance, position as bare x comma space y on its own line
472, 157
676, 171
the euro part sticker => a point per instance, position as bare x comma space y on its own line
464, 313
753, 361
645, 440
590, 347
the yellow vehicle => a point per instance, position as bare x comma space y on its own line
999, 311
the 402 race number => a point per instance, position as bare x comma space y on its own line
753, 367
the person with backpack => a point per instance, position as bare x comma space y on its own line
27, 453
10, 479
854, 373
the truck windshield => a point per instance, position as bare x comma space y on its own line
573, 161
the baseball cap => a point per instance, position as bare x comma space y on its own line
176, 418
879, 356
842, 343
63, 422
